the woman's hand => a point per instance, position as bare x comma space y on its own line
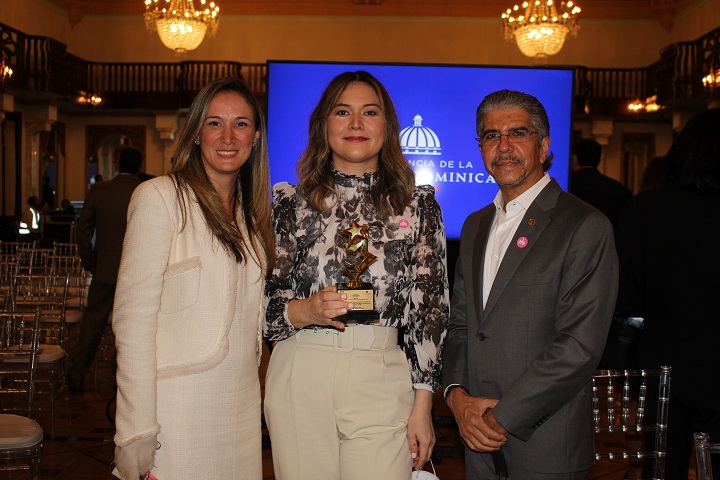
420, 431
319, 309
136, 459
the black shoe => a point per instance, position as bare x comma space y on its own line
75, 385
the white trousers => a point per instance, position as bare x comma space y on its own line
339, 411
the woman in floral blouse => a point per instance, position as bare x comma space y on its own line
353, 401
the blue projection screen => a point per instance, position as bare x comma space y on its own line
436, 107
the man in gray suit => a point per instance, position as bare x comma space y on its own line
534, 292
104, 216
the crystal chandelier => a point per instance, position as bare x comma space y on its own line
179, 25
539, 28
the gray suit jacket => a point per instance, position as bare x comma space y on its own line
538, 340
104, 215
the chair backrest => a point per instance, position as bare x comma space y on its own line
65, 249
61, 264
8, 270
49, 293
703, 449
11, 248
19, 341
78, 276
620, 403
34, 260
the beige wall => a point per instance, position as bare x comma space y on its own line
74, 186
696, 20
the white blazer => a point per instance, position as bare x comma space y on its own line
174, 303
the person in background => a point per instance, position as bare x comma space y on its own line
143, 176
188, 305
100, 232
66, 207
589, 185
29, 227
533, 297
343, 400
668, 276
654, 175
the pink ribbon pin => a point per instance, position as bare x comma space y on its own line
522, 242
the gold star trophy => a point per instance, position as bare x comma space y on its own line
357, 260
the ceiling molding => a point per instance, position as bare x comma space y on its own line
610, 9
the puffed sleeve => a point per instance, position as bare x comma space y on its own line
278, 288
429, 298
146, 248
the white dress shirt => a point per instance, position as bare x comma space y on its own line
505, 223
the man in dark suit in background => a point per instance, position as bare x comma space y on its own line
589, 185
104, 216
669, 276
534, 291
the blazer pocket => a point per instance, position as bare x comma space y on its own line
535, 279
181, 285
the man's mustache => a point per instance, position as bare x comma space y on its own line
507, 158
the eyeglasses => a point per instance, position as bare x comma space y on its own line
517, 136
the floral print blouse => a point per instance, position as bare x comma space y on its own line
410, 275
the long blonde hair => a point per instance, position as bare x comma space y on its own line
252, 186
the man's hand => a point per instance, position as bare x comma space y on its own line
478, 434
490, 421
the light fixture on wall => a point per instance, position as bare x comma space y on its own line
93, 99
539, 27
5, 71
711, 81
179, 25
89, 98
649, 105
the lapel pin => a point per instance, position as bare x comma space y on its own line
522, 242
531, 222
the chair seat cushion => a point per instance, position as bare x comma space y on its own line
48, 353
73, 316
18, 432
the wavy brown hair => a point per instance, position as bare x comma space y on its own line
396, 180
252, 185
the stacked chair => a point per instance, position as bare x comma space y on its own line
66, 261
47, 293
51, 282
621, 401
20, 436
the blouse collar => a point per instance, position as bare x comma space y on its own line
344, 180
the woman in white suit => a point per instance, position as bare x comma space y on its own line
188, 304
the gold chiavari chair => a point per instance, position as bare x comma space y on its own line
34, 260
20, 437
48, 293
65, 249
11, 248
8, 269
77, 292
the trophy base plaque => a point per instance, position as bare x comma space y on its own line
363, 301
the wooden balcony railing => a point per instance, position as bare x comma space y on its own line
42, 65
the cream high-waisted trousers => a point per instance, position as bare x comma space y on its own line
337, 405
